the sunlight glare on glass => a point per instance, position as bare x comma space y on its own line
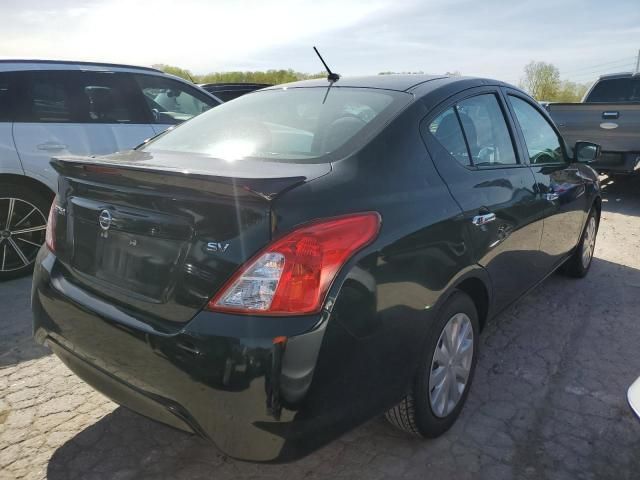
232, 150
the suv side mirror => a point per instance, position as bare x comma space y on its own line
586, 152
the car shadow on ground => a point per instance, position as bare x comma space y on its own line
621, 194
536, 369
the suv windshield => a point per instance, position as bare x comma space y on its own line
295, 124
616, 90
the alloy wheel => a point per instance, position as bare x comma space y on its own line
451, 365
22, 232
589, 242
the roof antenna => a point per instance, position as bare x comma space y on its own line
332, 77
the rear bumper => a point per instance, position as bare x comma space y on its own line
220, 376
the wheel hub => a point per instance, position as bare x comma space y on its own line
22, 232
451, 365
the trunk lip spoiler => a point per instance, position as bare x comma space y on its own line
267, 187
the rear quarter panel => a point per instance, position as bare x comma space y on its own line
383, 301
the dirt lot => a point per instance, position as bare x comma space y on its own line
548, 400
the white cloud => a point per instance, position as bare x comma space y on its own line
197, 34
489, 38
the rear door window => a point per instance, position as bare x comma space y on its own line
105, 97
81, 97
49, 97
486, 131
170, 101
474, 132
447, 130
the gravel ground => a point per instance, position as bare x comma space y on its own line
548, 400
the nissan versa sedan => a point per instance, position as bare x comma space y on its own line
288, 265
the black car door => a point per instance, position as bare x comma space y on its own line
558, 182
474, 149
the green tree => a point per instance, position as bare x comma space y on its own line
274, 77
541, 80
177, 71
570, 92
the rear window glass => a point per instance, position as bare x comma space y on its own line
295, 125
616, 90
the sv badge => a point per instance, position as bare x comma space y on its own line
217, 247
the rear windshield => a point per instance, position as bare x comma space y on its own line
287, 124
616, 90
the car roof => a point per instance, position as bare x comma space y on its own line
414, 83
7, 65
609, 76
399, 82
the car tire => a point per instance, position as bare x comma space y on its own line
579, 262
29, 210
421, 412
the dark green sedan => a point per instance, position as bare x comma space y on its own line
288, 265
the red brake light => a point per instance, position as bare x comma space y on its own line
50, 238
292, 275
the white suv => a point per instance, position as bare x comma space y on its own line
51, 108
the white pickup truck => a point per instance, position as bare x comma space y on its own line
609, 115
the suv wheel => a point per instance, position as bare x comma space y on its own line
442, 382
23, 223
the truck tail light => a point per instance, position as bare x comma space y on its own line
292, 275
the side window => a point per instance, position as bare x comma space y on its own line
543, 145
486, 131
6, 114
446, 129
104, 97
170, 101
48, 98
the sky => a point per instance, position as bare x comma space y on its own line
489, 38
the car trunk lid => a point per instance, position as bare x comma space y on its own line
159, 240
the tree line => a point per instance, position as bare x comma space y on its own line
273, 77
541, 79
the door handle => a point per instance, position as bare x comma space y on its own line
51, 146
480, 220
551, 196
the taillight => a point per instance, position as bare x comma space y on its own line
50, 238
292, 275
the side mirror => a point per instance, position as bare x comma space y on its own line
586, 152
